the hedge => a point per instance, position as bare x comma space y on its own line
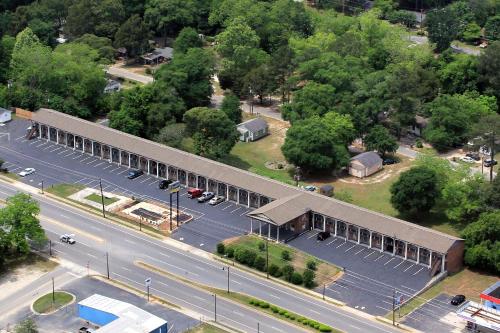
221, 248
291, 316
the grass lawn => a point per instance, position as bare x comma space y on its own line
64, 190
11, 175
97, 198
31, 259
466, 282
325, 272
205, 328
46, 304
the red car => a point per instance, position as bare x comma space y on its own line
194, 193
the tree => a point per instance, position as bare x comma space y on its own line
340, 127
260, 82
486, 132
231, 107
442, 26
381, 140
190, 74
26, 326
459, 74
169, 16
313, 99
415, 192
492, 194
472, 32
133, 35
19, 225
482, 242
404, 17
464, 198
489, 70
101, 44
310, 145
6, 47
187, 38
492, 28
171, 135
308, 278
214, 134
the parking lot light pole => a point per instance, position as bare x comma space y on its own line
177, 203
53, 292
102, 199
267, 255
107, 264
50, 248
393, 307
226, 268
324, 287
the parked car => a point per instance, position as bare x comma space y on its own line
194, 193
490, 163
216, 200
163, 184
389, 161
134, 174
457, 299
474, 156
467, 159
310, 188
83, 329
323, 235
67, 239
206, 196
26, 172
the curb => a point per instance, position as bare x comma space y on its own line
53, 311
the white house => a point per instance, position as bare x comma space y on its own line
365, 164
252, 129
5, 115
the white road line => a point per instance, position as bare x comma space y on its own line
126, 269
388, 261
55, 149
399, 264
409, 267
277, 297
119, 173
92, 161
107, 167
78, 156
153, 182
198, 297
313, 235
162, 283
359, 251
331, 242
235, 282
341, 244
369, 254
48, 147
86, 159
99, 164
145, 180
227, 207
42, 144
418, 271
32, 143
235, 210
71, 153
19, 138
238, 313
114, 169
163, 254
62, 152
129, 241
91, 255
314, 311
183, 194
379, 257
350, 248
246, 211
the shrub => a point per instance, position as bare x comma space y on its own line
285, 255
311, 264
264, 305
282, 312
299, 319
274, 270
287, 315
245, 256
308, 277
419, 144
260, 264
292, 317
230, 251
324, 328
221, 248
262, 246
296, 278
274, 309
287, 272
252, 302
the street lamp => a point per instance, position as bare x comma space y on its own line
226, 268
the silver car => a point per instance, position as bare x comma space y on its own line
26, 172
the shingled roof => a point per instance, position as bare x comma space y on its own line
297, 198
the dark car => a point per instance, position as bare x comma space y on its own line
323, 235
83, 329
163, 184
389, 161
474, 156
457, 299
490, 163
134, 174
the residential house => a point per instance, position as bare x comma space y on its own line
158, 56
253, 129
365, 164
5, 115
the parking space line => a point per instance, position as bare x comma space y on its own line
402, 261
78, 156
389, 261
409, 267
92, 161
313, 235
183, 194
55, 149
379, 257
331, 241
99, 164
109, 166
246, 211
350, 248
359, 251
32, 143
145, 180
72, 153
125, 170
369, 254
48, 147
418, 271
342, 244
42, 144
153, 182
227, 206
235, 209
19, 138
116, 169
62, 152
85, 159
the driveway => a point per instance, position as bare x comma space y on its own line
123, 73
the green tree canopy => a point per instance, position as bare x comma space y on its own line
314, 99
492, 28
310, 145
381, 140
187, 38
170, 16
442, 26
26, 326
415, 192
133, 35
489, 70
101, 44
231, 107
214, 134
172, 135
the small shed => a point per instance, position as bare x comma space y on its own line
365, 164
253, 129
326, 190
112, 86
5, 115
158, 56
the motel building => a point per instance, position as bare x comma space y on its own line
280, 211
483, 316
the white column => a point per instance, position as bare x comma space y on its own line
119, 155
382, 244
251, 226
346, 231
430, 259
157, 170
260, 228
406, 250
248, 199
129, 160
238, 195
277, 234
147, 166
418, 254
335, 230
370, 239
177, 174
393, 246
66, 139
359, 235
443, 259
227, 192
324, 224
269, 231
92, 145
57, 136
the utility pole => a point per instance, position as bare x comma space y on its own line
227, 268
42, 187
267, 254
107, 264
50, 248
170, 211
102, 199
177, 203
53, 292
258, 327
393, 307
215, 307
324, 288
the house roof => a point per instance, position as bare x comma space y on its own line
2, 111
368, 159
283, 210
224, 173
131, 319
254, 125
165, 52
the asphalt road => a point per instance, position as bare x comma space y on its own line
96, 236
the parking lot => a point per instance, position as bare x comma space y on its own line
437, 315
370, 276
67, 320
57, 164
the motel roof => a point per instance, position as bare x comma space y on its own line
298, 199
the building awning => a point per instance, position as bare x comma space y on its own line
281, 211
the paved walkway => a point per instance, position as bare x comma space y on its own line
118, 71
